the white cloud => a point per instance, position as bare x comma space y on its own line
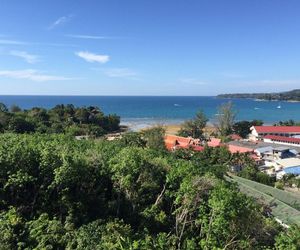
33, 75
26, 56
11, 42
90, 37
59, 21
192, 81
121, 73
91, 57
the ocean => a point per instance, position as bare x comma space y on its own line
141, 111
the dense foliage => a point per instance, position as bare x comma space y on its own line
60, 193
60, 119
287, 123
242, 128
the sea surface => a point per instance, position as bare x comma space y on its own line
142, 111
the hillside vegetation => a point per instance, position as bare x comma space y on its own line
293, 95
60, 193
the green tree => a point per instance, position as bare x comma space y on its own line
3, 108
226, 117
195, 126
12, 230
15, 109
154, 138
290, 239
103, 235
45, 233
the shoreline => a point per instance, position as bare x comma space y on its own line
171, 126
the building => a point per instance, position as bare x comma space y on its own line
291, 141
174, 142
259, 132
287, 166
214, 142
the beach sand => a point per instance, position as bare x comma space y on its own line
172, 129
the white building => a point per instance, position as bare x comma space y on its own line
259, 132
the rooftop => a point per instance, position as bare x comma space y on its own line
289, 162
283, 139
277, 129
260, 144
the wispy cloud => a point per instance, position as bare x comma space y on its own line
60, 21
26, 56
193, 81
16, 42
91, 37
12, 42
91, 57
121, 73
33, 75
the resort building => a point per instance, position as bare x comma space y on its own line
291, 141
259, 132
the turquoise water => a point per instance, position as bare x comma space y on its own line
141, 110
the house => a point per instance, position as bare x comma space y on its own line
239, 149
214, 142
174, 142
282, 140
259, 132
287, 166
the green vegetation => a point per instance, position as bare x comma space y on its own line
293, 95
287, 123
194, 127
65, 119
226, 117
60, 193
242, 128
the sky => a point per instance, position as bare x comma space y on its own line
143, 47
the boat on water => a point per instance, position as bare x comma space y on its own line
279, 106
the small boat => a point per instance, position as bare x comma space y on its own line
177, 105
279, 106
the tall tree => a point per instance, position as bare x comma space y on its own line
195, 126
154, 138
226, 119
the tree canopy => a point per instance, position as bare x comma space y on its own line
60, 119
60, 193
194, 127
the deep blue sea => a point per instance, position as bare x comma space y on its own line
147, 110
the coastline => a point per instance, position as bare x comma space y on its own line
171, 126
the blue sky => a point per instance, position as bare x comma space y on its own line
142, 47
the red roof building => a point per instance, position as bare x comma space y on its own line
174, 142
282, 139
214, 142
237, 149
258, 132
